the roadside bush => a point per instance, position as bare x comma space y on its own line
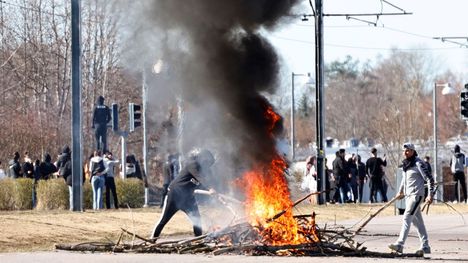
130, 192
16, 193
7, 200
52, 194
23, 193
87, 195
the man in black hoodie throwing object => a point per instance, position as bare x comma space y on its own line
180, 194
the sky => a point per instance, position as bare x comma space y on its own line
415, 32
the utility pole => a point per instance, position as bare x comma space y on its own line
319, 82
319, 99
77, 152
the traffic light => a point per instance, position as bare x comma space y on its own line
464, 103
115, 117
134, 113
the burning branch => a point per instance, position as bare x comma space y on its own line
293, 205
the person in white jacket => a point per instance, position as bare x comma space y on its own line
309, 181
415, 175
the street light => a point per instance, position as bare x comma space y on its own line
447, 90
293, 75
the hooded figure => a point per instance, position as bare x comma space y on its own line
47, 168
181, 191
14, 166
101, 117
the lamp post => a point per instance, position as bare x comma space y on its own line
447, 90
293, 75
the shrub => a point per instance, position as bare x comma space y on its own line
87, 195
16, 193
130, 192
23, 193
52, 194
7, 201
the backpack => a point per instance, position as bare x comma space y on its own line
97, 167
66, 169
458, 163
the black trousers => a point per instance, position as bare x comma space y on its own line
173, 203
110, 187
100, 133
459, 177
163, 194
376, 186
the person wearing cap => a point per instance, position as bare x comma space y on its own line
374, 168
415, 175
181, 191
457, 167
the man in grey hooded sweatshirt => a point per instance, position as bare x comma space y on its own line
415, 175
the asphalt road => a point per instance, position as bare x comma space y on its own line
448, 235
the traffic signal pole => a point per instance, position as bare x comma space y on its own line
123, 140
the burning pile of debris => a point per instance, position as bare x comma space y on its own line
243, 238
239, 238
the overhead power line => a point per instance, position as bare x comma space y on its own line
360, 47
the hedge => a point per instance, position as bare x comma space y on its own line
16, 194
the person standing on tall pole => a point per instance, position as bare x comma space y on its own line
101, 117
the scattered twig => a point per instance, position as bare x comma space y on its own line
136, 236
371, 216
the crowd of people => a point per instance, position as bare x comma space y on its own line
349, 180
346, 179
98, 169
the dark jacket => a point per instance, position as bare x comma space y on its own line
340, 170
101, 114
374, 167
361, 168
47, 168
14, 168
64, 165
187, 181
28, 169
96, 165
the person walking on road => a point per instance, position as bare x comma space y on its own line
415, 175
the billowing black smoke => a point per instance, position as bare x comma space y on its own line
222, 67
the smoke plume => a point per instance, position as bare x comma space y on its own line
220, 66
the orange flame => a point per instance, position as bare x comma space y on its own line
267, 194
